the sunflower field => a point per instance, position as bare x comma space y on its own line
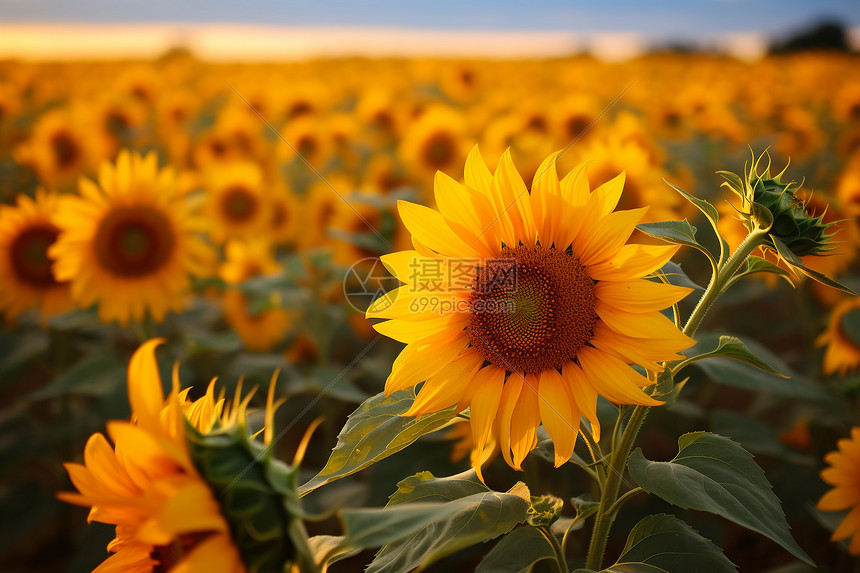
450, 315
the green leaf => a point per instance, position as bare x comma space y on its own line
517, 552
794, 262
712, 473
759, 265
328, 549
710, 213
475, 514
375, 430
675, 232
850, 325
18, 348
734, 348
676, 276
584, 507
95, 375
375, 527
740, 375
668, 543
733, 181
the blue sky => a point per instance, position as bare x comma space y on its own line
656, 18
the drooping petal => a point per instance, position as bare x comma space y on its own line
559, 414
489, 384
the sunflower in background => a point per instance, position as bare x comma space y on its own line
61, 148
842, 475
130, 242
27, 231
436, 141
535, 304
182, 478
261, 330
842, 353
235, 201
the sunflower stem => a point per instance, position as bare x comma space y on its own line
557, 550
721, 278
610, 502
607, 509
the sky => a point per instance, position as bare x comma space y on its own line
654, 18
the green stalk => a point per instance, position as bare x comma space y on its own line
560, 559
618, 458
719, 280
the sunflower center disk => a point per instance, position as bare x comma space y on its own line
29, 255
134, 241
239, 204
531, 309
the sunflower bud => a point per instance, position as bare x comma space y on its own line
769, 202
257, 493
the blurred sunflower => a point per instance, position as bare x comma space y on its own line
262, 330
842, 353
60, 148
435, 142
235, 202
129, 243
181, 479
166, 516
842, 475
26, 233
535, 304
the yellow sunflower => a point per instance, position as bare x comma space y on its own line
843, 475
526, 305
60, 148
26, 233
842, 353
235, 202
262, 330
147, 485
435, 141
129, 243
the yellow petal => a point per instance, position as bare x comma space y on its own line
510, 395
489, 384
614, 379
610, 193
559, 414
469, 213
640, 295
145, 393
445, 388
633, 262
602, 240
525, 420
431, 229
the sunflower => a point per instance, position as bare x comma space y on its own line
129, 242
235, 202
26, 233
843, 476
61, 148
436, 141
842, 353
262, 330
166, 516
526, 305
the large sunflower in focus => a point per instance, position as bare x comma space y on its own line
26, 233
129, 243
525, 305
